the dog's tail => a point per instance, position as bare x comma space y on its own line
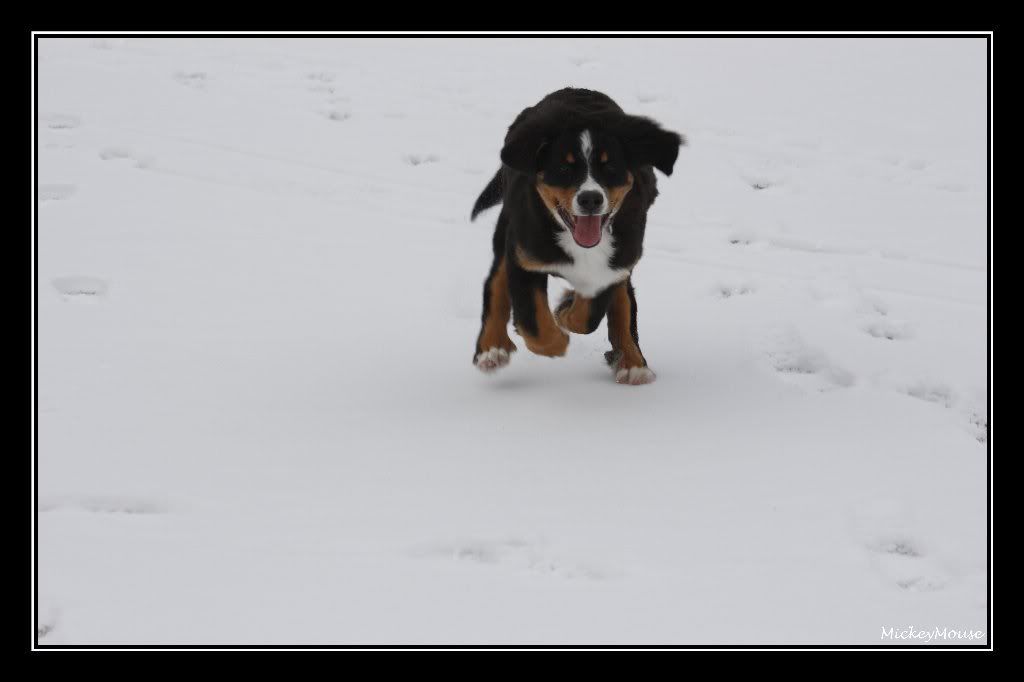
491, 196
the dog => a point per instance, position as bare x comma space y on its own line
575, 185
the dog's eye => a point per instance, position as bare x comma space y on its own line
564, 168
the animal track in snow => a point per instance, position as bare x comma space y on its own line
978, 425
512, 553
193, 79
418, 159
888, 329
873, 306
878, 323
321, 82
802, 364
101, 505
60, 121
921, 583
975, 420
338, 115
116, 153
938, 393
765, 171
901, 562
55, 192
49, 618
729, 290
884, 528
80, 288
900, 546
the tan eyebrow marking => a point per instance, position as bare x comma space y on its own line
604, 157
570, 158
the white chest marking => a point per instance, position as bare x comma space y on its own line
589, 272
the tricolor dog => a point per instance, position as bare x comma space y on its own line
576, 182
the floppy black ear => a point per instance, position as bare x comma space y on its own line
647, 143
533, 128
523, 144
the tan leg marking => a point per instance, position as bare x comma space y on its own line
630, 367
528, 262
575, 316
550, 339
499, 309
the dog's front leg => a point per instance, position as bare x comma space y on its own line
531, 314
493, 345
625, 357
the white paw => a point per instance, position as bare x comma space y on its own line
491, 359
635, 376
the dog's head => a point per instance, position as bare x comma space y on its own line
585, 164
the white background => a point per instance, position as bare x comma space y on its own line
259, 292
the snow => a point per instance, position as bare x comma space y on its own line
258, 294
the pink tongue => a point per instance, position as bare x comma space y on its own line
586, 230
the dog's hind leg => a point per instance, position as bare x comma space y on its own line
625, 357
581, 315
493, 345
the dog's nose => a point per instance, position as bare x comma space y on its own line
590, 201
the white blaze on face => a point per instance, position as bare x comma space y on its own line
589, 185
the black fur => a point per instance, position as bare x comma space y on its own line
612, 356
489, 197
498, 246
521, 285
536, 143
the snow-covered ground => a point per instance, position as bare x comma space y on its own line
259, 290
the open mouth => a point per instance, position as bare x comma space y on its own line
586, 229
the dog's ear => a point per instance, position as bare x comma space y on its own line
522, 150
526, 139
647, 143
